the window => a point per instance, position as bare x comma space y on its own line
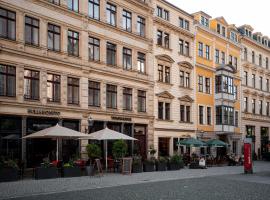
183, 23
182, 78
187, 80
207, 52
7, 24
160, 110
188, 114
245, 104
7, 81
141, 26
260, 107
235, 62
73, 43
141, 62
217, 56
218, 115
233, 36
201, 108
253, 57
141, 101
253, 80
111, 14
261, 83
111, 54
159, 11
230, 59
200, 49
223, 31
223, 57
224, 84
209, 114
181, 47
160, 73
111, 96
31, 31
73, 90
57, 2
127, 99
94, 49
54, 37
167, 111
166, 40
93, 93
236, 119
267, 108
218, 29
166, 15
182, 113
93, 9
260, 60
167, 74
225, 115
267, 85
245, 54
53, 88
126, 23
253, 103
235, 92
204, 21
200, 82
266, 63
31, 84
207, 85
159, 37
127, 58
73, 5
187, 48
245, 77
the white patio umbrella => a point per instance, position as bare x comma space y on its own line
107, 134
56, 132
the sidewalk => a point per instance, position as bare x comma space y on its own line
34, 187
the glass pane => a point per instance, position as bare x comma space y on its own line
76, 5
27, 83
3, 27
76, 95
27, 34
35, 36
2, 84
11, 90
35, 89
50, 40
57, 92
49, 91
57, 42
11, 30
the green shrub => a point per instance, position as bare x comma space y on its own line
119, 149
162, 159
176, 159
93, 151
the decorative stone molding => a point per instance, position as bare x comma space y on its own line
165, 58
165, 95
186, 98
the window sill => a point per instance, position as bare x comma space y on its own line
54, 102
164, 120
31, 100
164, 83
74, 104
187, 88
182, 54
182, 122
33, 45
163, 47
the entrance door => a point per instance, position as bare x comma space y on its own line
264, 141
164, 146
140, 144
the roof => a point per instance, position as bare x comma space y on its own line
202, 13
177, 8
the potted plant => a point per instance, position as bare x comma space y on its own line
8, 170
46, 171
175, 162
149, 165
119, 150
161, 164
137, 164
71, 170
93, 152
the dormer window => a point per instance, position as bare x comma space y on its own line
233, 36
249, 34
223, 31
204, 21
259, 39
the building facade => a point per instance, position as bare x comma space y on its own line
67, 62
174, 93
255, 84
218, 81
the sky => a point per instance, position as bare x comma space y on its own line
238, 12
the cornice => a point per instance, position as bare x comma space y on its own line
253, 42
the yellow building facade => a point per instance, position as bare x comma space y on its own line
218, 81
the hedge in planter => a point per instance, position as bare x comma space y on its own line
69, 170
175, 162
149, 165
8, 171
137, 165
93, 151
46, 172
161, 164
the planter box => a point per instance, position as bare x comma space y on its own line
161, 166
174, 166
71, 172
137, 168
194, 165
45, 173
149, 167
8, 174
90, 170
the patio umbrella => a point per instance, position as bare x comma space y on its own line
56, 132
192, 142
107, 134
216, 143
11, 137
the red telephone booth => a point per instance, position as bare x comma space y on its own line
248, 168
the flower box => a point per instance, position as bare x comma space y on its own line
8, 174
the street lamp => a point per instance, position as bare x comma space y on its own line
90, 123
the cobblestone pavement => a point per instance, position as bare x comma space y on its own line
28, 188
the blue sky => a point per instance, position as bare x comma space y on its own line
239, 12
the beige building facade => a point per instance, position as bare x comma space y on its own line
174, 93
86, 65
255, 84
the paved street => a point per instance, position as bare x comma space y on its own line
212, 183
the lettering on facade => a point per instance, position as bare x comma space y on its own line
43, 112
121, 118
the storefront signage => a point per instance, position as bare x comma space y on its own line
43, 112
121, 118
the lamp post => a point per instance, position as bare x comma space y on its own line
90, 123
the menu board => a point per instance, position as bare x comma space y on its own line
127, 165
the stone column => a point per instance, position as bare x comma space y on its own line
64, 40
134, 23
83, 7
103, 11
119, 62
83, 143
24, 140
20, 27
134, 60
103, 45
119, 98
43, 34
84, 92
103, 95
43, 87
171, 146
64, 90
119, 17
20, 83
63, 3
135, 100
132, 135
83, 45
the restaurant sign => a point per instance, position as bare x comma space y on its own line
43, 112
119, 118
